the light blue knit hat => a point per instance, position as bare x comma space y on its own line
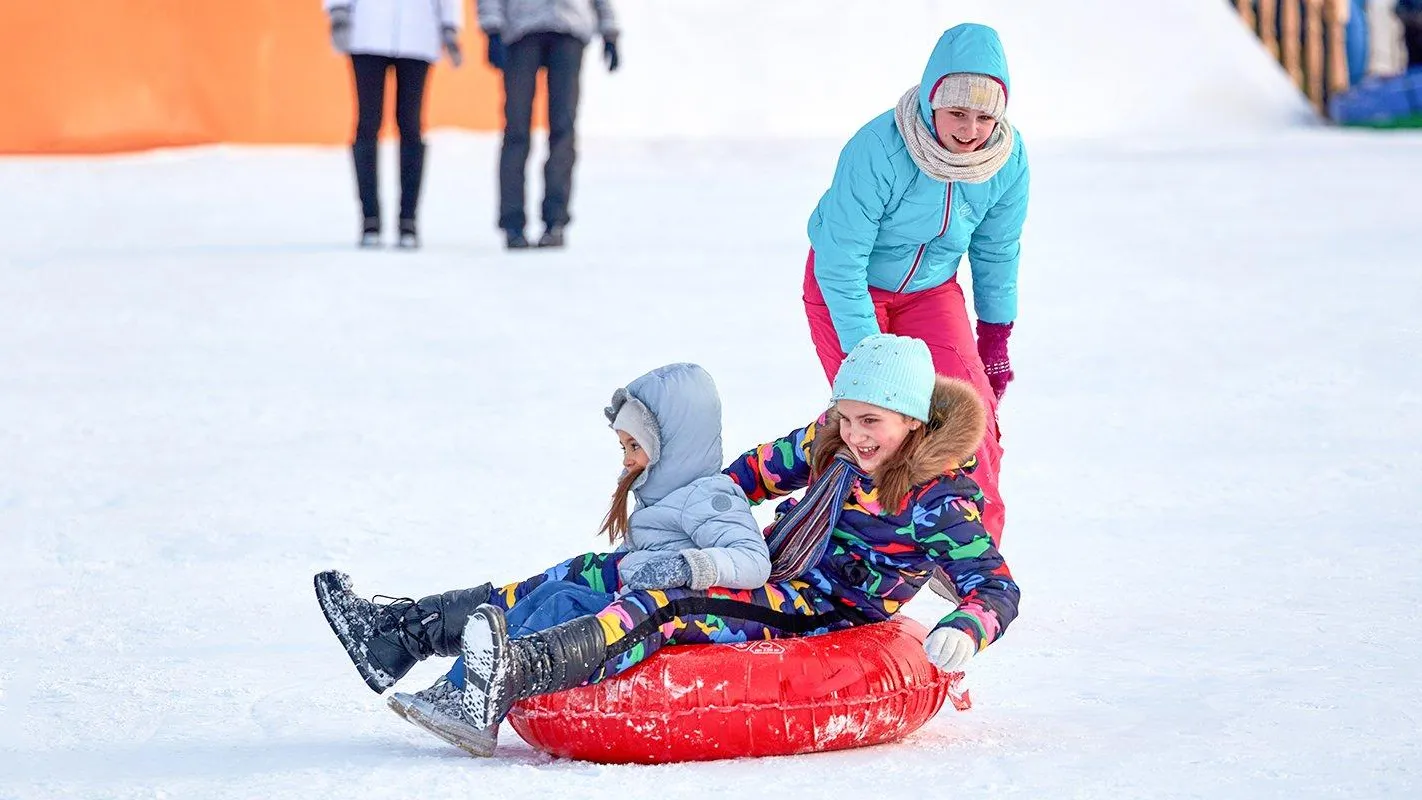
889, 371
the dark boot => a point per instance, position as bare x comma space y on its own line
552, 237
412, 173
515, 240
363, 154
409, 235
384, 640
370, 232
499, 671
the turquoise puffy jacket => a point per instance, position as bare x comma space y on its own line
884, 223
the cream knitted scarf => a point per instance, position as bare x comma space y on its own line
941, 163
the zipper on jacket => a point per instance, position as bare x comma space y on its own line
918, 257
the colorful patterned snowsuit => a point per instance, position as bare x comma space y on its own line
877, 560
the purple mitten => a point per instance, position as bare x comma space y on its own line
992, 347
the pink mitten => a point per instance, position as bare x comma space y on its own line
992, 347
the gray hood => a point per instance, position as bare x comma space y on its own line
682, 400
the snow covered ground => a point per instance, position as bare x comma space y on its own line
1214, 449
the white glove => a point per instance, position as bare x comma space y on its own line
949, 648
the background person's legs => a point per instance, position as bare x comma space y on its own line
410, 74
369, 74
521, 64
564, 58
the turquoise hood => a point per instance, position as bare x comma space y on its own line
885, 224
962, 48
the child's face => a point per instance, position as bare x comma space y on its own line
634, 458
963, 130
873, 434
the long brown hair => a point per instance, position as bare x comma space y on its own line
615, 523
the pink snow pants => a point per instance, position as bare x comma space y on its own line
939, 317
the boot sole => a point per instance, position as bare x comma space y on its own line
486, 659
377, 680
423, 716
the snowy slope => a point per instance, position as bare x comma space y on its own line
1213, 448
795, 68
1213, 452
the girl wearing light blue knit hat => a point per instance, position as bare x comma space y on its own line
884, 372
909, 506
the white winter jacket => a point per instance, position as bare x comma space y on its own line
400, 28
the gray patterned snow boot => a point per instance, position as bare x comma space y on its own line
499, 671
384, 640
440, 710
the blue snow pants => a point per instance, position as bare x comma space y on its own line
549, 604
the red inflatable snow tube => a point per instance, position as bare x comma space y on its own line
866, 685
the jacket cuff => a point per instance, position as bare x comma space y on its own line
703, 569
965, 623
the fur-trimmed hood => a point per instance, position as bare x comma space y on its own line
956, 423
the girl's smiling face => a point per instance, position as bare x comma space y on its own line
874, 434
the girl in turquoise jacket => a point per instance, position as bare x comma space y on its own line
942, 175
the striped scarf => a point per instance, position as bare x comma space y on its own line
800, 537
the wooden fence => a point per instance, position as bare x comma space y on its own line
1308, 39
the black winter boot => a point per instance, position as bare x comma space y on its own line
365, 157
370, 232
412, 174
515, 240
552, 237
409, 235
499, 671
385, 640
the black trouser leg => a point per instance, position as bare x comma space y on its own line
521, 64
410, 74
369, 74
564, 59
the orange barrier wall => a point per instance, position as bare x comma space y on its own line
97, 76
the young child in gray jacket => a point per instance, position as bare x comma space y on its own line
691, 526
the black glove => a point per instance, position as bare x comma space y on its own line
496, 51
450, 35
609, 54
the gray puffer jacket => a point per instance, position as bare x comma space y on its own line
515, 19
684, 504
